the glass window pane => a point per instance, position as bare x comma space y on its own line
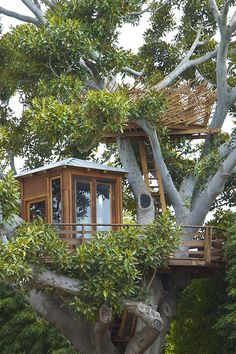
103, 200
37, 210
83, 206
56, 200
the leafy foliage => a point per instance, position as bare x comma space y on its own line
110, 267
9, 197
227, 323
31, 243
118, 263
192, 330
22, 331
206, 168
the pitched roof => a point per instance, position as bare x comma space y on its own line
73, 162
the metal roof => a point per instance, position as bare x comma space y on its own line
73, 162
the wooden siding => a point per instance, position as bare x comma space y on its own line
37, 187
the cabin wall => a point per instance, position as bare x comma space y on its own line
36, 188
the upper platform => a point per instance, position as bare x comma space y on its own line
189, 108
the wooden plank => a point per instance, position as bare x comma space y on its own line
194, 131
161, 190
208, 239
187, 262
144, 164
193, 243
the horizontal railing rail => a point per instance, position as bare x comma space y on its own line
196, 242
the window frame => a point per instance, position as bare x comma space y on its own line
37, 200
93, 196
51, 199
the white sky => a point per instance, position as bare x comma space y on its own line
131, 37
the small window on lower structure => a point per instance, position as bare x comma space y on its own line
37, 210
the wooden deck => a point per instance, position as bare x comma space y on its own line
200, 246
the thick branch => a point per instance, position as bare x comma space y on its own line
135, 178
232, 28
186, 63
153, 326
141, 12
102, 334
226, 148
56, 281
169, 186
35, 9
215, 11
214, 188
232, 97
52, 309
18, 16
134, 72
187, 187
203, 59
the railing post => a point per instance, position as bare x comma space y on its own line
207, 248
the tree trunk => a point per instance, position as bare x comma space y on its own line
165, 293
86, 337
135, 179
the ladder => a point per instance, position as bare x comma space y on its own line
152, 176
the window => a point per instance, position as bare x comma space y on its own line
83, 205
93, 204
103, 205
56, 200
37, 210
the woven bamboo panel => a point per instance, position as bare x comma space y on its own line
189, 104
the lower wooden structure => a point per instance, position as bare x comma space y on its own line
200, 254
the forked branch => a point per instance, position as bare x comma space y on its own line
149, 333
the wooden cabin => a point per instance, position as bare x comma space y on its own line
81, 197
73, 192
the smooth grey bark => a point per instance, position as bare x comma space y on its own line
186, 63
35, 10
164, 296
170, 189
213, 189
153, 325
135, 179
79, 332
18, 16
56, 281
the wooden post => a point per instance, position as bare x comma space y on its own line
122, 325
208, 240
161, 189
144, 164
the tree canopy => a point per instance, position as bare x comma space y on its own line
71, 73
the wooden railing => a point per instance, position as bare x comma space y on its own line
196, 242
201, 242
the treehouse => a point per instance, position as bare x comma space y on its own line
79, 197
